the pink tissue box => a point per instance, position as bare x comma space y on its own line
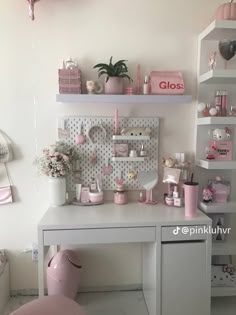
69, 81
167, 82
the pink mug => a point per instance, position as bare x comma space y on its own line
191, 198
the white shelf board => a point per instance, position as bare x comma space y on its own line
128, 159
228, 207
216, 121
217, 165
136, 138
224, 248
218, 76
223, 291
219, 29
124, 99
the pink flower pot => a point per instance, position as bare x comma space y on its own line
114, 85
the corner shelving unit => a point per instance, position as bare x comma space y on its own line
208, 82
124, 99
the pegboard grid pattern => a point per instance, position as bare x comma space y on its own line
104, 150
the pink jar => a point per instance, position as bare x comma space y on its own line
120, 197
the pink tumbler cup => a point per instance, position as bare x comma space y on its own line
190, 198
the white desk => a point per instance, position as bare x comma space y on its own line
172, 264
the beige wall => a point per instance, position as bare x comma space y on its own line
157, 34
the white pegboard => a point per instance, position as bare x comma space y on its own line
104, 150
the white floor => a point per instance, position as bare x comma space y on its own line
101, 303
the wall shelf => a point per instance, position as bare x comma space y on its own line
128, 159
224, 248
223, 291
124, 99
219, 29
217, 165
216, 121
134, 138
218, 76
228, 207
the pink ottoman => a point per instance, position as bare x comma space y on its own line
50, 305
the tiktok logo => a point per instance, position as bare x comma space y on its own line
176, 231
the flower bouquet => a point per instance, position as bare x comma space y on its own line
56, 160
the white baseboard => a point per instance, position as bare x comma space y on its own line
109, 288
4, 287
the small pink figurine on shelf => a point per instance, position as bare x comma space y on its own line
210, 152
212, 60
207, 195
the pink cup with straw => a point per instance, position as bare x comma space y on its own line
191, 198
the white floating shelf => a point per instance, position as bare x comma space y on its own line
124, 99
128, 159
136, 138
216, 121
219, 29
218, 76
224, 248
228, 207
217, 165
223, 291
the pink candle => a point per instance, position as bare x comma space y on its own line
116, 122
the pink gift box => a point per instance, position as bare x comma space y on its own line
69, 81
167, 82
224, 150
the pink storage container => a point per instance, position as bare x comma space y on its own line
63, 274
167, 82
69, 81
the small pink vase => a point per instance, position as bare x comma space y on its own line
114, 85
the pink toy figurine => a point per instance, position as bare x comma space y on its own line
212, 60
207, 195
210, 152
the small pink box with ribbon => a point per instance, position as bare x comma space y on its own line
167, 82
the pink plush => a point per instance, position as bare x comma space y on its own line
50, 305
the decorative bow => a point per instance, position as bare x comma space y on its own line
31, 8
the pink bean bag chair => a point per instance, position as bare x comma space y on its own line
50, 305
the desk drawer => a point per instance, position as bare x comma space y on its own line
100, 236
183, 233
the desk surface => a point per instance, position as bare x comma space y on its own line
111, 215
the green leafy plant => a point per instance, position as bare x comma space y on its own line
118, 69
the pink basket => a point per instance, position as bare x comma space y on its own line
69, 81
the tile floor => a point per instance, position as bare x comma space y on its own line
101, 303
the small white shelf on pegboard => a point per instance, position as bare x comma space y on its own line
128, 159
130, 138
223, 291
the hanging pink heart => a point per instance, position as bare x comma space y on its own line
107, 170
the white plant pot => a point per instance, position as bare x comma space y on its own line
57, 191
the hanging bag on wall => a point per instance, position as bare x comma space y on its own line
6, 152
6, 191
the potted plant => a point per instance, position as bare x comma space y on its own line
115, 73
56, 162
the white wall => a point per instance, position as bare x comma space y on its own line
157, 34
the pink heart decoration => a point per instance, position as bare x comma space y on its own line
107, 170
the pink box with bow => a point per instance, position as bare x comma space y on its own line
167, 82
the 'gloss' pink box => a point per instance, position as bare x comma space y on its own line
167, 82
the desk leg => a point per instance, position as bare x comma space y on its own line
151, 253
40, 263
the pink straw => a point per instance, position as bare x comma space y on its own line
116, 122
